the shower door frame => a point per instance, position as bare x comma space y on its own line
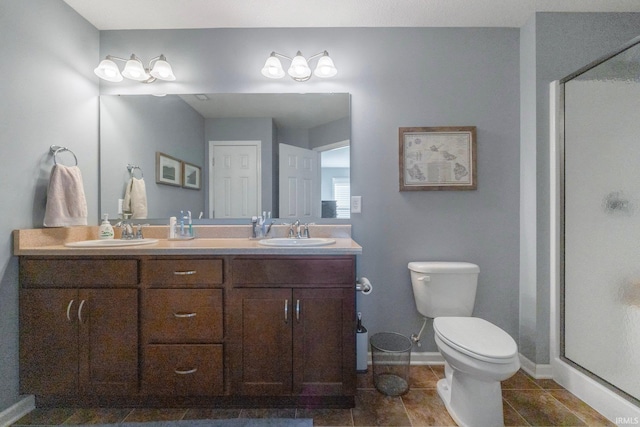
605, 397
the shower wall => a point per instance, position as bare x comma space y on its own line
602, 230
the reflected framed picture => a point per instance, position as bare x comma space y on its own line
191, 176
168, 170
438, 158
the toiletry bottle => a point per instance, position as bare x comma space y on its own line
172, 227
106, 230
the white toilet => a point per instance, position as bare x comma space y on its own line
478, 355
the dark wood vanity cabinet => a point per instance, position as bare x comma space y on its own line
293, 327
79, 330
135, 330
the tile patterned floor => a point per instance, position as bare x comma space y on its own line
526, 401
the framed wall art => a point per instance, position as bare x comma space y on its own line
191, 176
168, 170
438, 158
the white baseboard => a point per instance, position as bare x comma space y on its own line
426, 358
538, 372
18, 410
419, 358
614, 407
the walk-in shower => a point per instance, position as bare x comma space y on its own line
597, 302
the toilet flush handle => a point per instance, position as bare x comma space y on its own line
424, 278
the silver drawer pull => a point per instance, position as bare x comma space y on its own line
69, 310
286, 311
185, 371
80, 311
184, 315
184, 273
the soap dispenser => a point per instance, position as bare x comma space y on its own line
106, 230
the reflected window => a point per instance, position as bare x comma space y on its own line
342, 196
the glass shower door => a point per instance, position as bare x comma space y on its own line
601, 300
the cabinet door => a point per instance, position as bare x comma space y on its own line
48, 341
324, 342
108, 334
261, 363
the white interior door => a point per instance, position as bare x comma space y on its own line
234, 181
299, 183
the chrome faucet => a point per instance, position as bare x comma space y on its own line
305, 232
294, 230
298, 230
127, 230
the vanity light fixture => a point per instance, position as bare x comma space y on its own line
299, 69
158, 69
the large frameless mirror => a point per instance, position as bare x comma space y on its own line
227, 156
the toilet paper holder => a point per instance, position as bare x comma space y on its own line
364, 285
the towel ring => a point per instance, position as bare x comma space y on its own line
56, 149
132, 169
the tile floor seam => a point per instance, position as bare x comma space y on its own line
568, 409
127, 416
406, 412
516, 411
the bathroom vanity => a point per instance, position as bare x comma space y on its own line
211, 321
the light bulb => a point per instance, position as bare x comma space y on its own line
272, 68
108, 70
162, 70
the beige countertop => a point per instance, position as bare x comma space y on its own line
210, 240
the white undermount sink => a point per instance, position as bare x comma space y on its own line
110, 243
288, 242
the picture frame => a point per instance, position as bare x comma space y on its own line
168, 170
437, 158
191, 176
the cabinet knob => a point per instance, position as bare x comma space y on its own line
286, 311
298, 310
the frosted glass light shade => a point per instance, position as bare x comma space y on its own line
108, 70
162, 70
299, 68
273, 68
134, 70
325, 67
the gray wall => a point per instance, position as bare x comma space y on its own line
330, 133
563, 43
49, 96
430, 77
132, 130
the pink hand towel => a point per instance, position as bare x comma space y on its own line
66, 203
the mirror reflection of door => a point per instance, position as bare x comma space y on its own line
234, 181
299, 183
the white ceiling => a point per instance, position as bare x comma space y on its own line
167, 14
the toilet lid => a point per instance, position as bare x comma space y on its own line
477, 338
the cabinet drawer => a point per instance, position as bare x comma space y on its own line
181, 272
289, 272
182, 315
183, 370
78, 272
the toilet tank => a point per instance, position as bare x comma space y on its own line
444, 288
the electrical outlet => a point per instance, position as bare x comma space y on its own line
120, 203
356, 204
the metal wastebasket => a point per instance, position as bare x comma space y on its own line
391, 357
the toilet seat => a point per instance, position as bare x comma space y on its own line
476, 338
